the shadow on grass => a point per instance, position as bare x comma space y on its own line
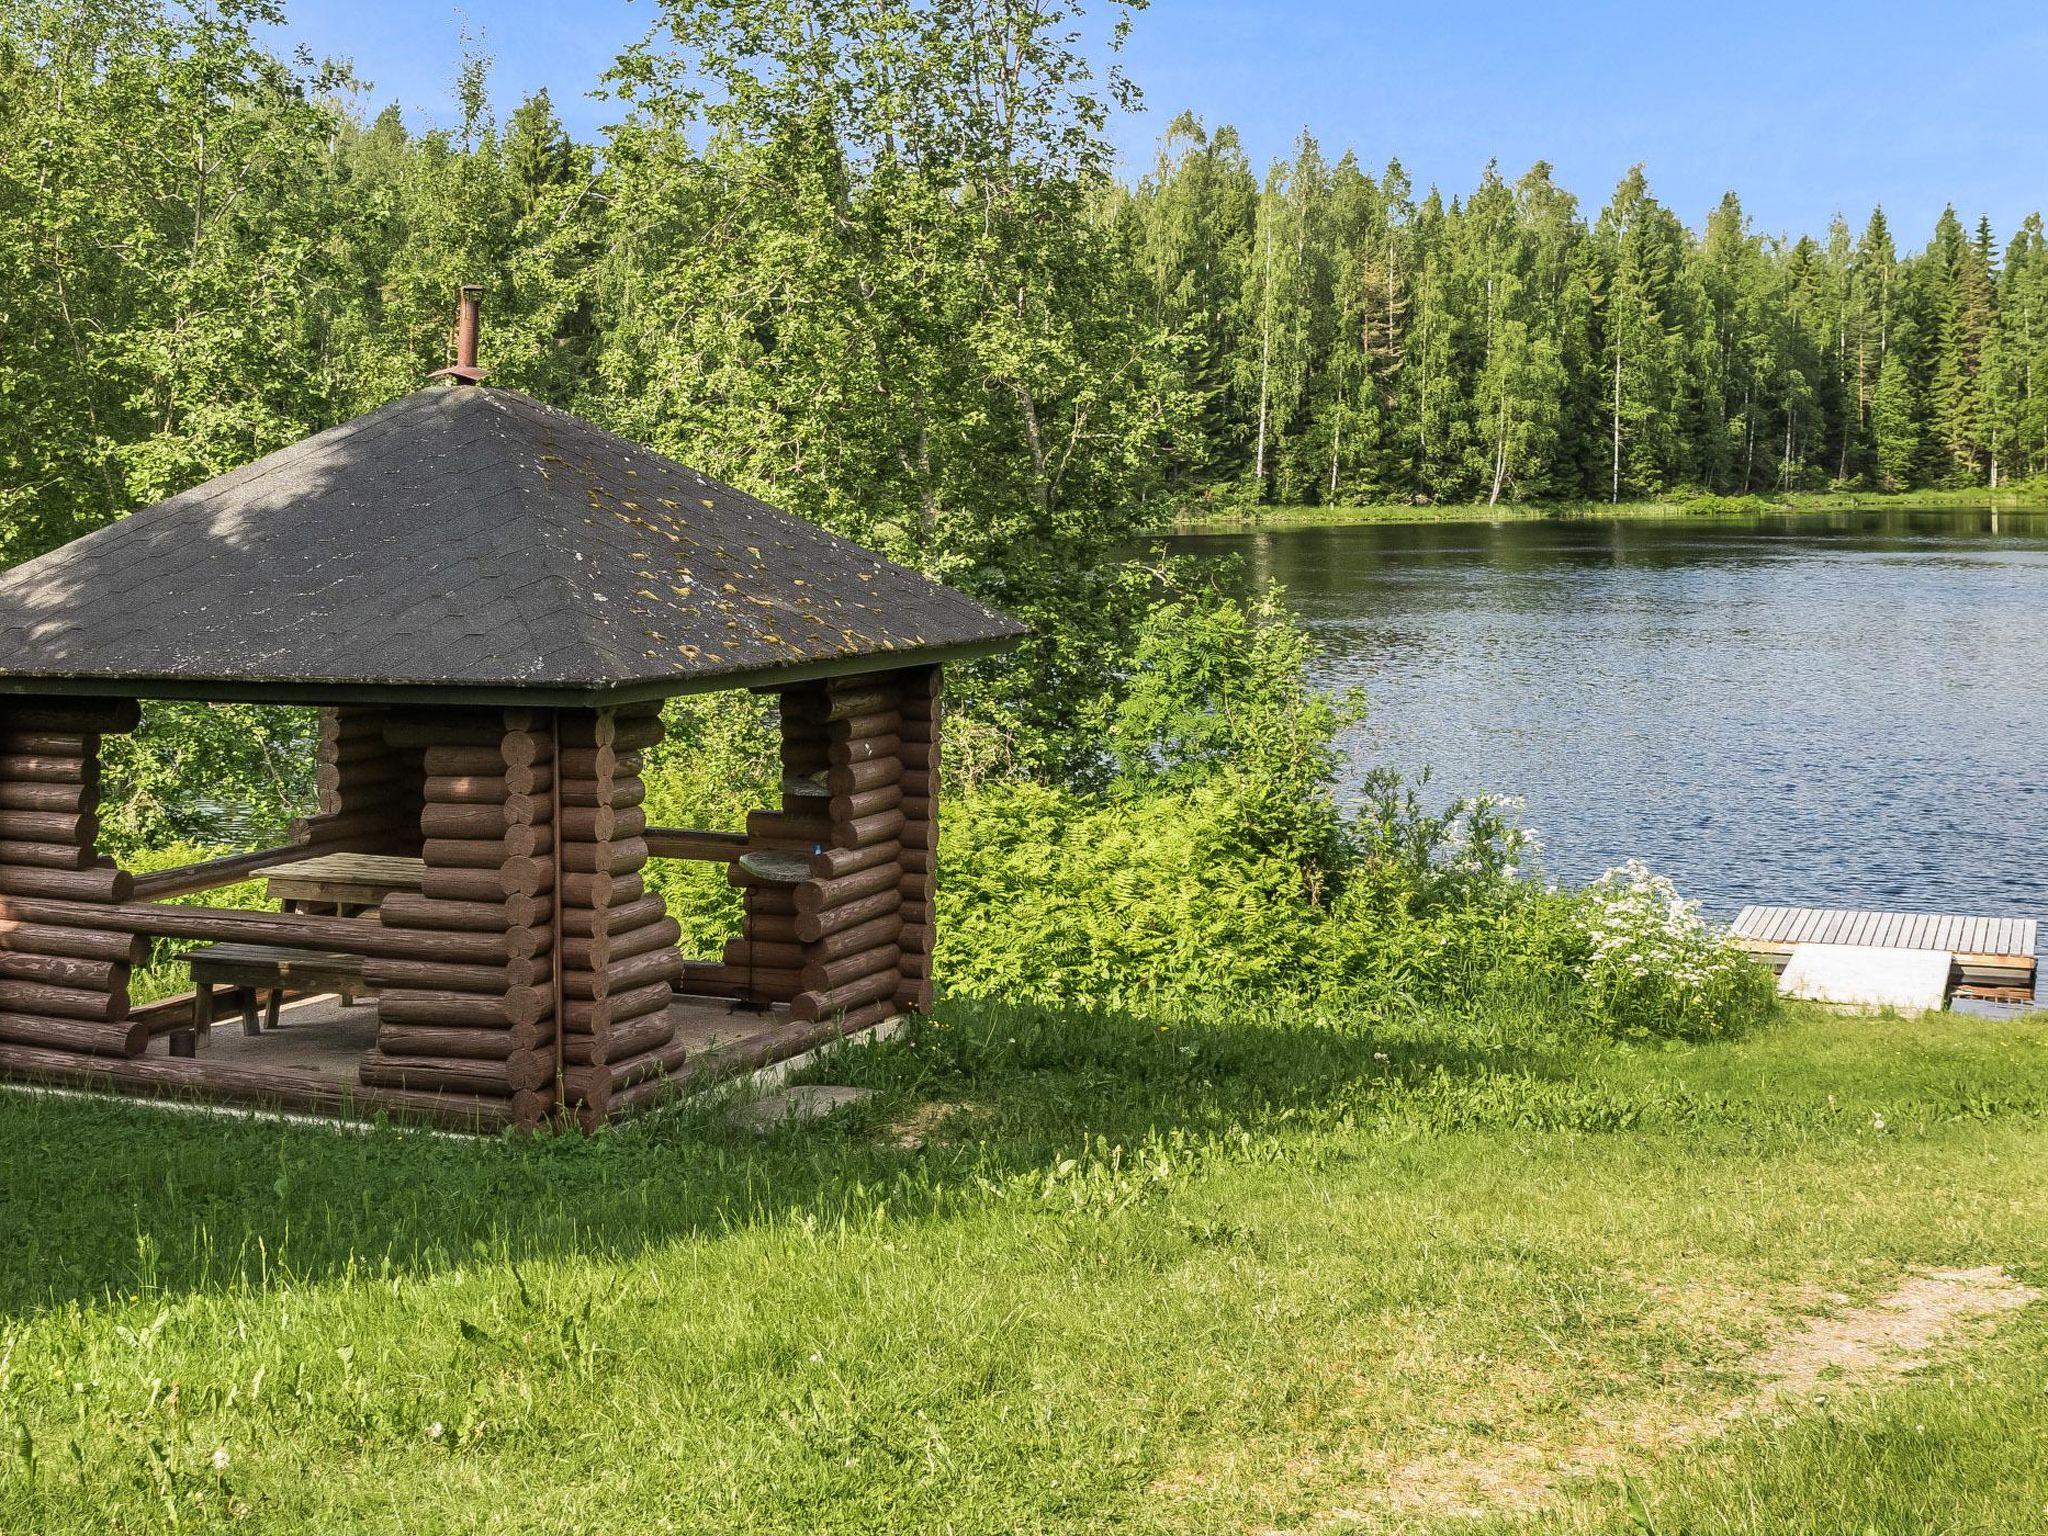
105, 1200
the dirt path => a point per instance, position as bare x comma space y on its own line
1859, 1346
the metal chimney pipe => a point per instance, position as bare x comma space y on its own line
465, 326
464, 370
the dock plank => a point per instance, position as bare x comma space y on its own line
1997, 954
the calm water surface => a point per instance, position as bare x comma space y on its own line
1834, 710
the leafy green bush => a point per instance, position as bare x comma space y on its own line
1216, 860
205, 773
1048, 895
1706, 505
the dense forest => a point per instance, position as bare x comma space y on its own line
1346, 338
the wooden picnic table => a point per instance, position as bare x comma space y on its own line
347, 883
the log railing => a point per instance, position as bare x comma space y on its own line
212, 874
228, 925
689, 843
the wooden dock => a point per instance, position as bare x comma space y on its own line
1994, 956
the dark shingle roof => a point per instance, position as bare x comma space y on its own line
473, 541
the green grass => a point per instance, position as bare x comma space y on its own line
2030, 499
1204, 1272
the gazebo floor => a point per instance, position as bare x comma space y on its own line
321, 1042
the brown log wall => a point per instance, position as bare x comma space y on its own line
481, 1027
851, 941
922, 712
619, 957
63, 987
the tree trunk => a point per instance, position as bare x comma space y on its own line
1027, 409
1265, 360
1500, 455
1748, 437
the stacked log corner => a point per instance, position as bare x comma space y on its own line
61, 988
619, 955
850, 942
370, 777
464, 1029
921, 721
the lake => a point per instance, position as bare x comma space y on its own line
1839, 709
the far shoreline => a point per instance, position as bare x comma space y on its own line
2027, 501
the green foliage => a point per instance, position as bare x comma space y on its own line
1708, 505
1051, 895
1346, 341
207, 773
1217, 862
850, 274
716, 763
1217, 696
163, 214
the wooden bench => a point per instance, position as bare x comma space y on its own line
259, 975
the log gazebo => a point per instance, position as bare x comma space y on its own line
488, 600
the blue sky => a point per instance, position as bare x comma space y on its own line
1805, 109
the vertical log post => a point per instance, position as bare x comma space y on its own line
62, 988
619, 956
921, 720
487, 836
